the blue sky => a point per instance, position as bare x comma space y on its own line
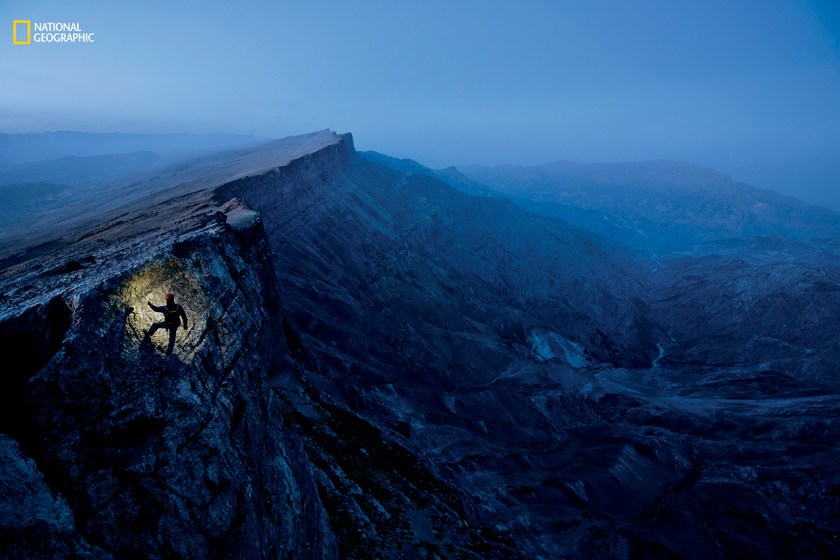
749, 87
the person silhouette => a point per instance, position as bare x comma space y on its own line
173, 315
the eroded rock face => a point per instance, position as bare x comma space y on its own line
35, 523
171, 456
769, 301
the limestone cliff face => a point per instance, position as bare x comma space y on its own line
148, 455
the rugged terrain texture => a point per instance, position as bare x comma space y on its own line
380, 366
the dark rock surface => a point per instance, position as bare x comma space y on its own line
773, 302
379, 366
33, 521
180, 456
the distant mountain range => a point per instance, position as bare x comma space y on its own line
27, 148
46, 178
657, 206
80, 170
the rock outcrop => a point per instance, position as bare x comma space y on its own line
162, 456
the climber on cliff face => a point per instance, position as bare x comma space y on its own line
173, 314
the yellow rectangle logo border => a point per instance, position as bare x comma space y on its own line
15, 24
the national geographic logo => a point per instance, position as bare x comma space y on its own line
25, 32
21, 31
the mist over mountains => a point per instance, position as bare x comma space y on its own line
91, 175
384, 360
657, 206
660, 205
41, 147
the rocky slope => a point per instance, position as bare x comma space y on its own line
379, 366
772, 299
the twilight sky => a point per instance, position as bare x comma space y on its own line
751, 88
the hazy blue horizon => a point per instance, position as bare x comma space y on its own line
752, 89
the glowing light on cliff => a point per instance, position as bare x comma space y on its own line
151, 284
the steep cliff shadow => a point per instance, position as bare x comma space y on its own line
28, 342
